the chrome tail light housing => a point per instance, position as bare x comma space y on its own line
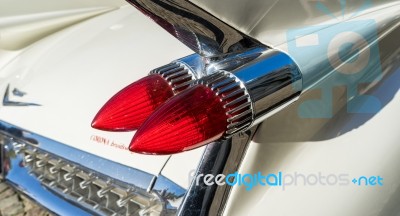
221, 104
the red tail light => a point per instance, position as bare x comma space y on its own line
130, 107
218, 106
191, 119
198, 116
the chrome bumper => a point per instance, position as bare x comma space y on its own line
68, 181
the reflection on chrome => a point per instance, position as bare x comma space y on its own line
265, 84
69, 181
197, 29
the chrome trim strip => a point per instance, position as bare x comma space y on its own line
222, 157
196, 28
22, 180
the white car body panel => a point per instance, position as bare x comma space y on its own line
23, 24
17, 32
6, 56
345, 143
180, 167
270, 20
74, 72
370, 150
10, 8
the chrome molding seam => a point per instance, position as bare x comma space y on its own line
196, 28
68, 181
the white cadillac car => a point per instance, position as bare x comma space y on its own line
201, 107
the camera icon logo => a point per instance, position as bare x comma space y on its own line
344, 53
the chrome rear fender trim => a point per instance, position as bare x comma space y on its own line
196, 28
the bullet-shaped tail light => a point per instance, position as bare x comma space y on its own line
193, 118
217, 106
221, 105
131, 106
